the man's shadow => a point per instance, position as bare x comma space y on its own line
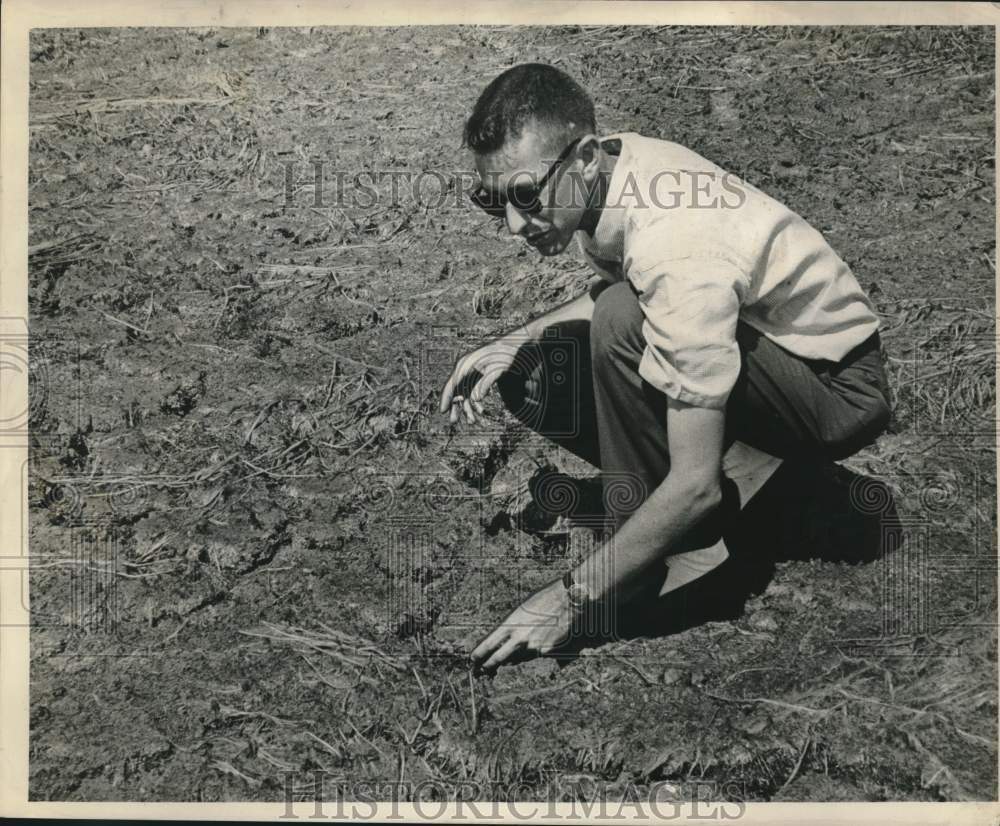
803, 512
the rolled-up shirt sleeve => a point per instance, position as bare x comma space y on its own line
691, 307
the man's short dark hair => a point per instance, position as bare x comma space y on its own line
528, 92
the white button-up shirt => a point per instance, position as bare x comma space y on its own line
703, 249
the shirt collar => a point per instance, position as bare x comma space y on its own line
608, 238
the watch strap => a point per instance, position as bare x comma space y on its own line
578, 596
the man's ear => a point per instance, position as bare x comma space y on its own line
588, 150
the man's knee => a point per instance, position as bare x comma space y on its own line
510, 388
518, 389
616, 321
846, 439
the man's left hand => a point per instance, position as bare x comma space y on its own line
538, 625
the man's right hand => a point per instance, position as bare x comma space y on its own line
489, 361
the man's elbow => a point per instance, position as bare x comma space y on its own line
703, 491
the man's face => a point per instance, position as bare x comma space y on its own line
523, 162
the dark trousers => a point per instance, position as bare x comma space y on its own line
580, 387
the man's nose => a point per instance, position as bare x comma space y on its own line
516, 222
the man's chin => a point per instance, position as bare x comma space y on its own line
549, 248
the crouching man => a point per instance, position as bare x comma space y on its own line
719, 316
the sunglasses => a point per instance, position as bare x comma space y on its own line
525, 196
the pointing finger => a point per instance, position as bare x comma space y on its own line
502, 653
457, 375
490, 643
483, 386
449, 388
477, 394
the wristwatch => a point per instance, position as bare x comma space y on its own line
578, 595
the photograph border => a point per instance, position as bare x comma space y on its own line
19, 17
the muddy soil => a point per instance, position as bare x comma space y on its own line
257, 550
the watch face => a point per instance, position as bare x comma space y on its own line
578, 595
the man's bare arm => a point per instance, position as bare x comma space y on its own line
580, 308
690, 492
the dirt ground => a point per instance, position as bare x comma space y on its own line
259, 552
